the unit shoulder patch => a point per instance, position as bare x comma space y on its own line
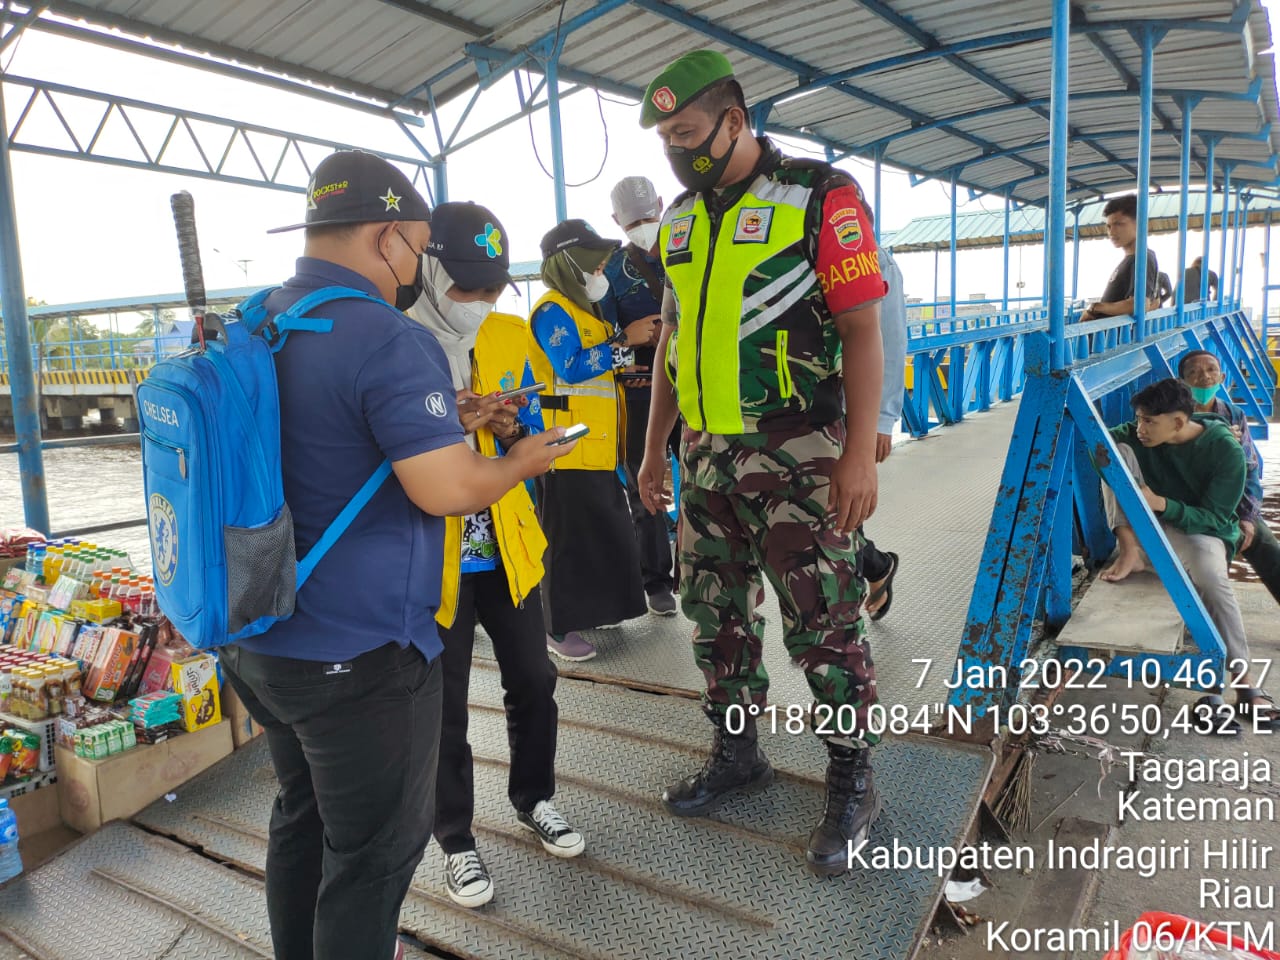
847, 225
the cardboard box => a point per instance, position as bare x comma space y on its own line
41, 833
243, 727
91, 792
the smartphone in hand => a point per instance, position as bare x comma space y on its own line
571, 434
521, 391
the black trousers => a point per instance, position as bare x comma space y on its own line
355, 753
528, 684
873, 563
652, 535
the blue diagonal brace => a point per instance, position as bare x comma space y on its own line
1151, 538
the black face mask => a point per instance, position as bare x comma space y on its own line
695, 167
407, 294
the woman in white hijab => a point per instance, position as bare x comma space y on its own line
493, 560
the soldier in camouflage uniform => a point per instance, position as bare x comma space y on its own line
772, 346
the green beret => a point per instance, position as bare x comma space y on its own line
680, 82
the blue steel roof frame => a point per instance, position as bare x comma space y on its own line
536, 53
417, 168
982, 43
929, 42
802, 69
606, 85
809, 76
1121, 134
69, 8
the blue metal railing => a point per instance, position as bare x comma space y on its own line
110, 353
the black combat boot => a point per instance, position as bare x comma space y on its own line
736, 763
852, 806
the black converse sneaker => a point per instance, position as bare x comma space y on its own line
467, 879
558, 838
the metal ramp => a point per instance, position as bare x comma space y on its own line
650, 886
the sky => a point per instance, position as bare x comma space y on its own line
89, 231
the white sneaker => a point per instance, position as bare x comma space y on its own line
467, 879
558, 838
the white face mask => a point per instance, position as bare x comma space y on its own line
465, 318
597, 285
643, 235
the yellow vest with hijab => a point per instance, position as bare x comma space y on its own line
497, 363
593, 402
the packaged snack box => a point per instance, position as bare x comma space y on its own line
196, 679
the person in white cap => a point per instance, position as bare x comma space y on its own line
636, 279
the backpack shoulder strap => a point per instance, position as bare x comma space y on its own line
277, 330
340, 523
642, 266
294, 317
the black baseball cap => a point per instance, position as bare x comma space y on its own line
468, 239
352, 186
574, 233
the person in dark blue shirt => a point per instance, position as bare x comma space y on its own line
636, 279
349, 688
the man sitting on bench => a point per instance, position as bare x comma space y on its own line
1191, 471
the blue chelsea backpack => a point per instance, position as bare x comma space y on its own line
222, 548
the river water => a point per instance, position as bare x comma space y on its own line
87, 486
103, 484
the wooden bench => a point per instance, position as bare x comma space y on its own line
1132, 616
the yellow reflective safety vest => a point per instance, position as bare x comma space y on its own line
593, 402
754, 344
498, 363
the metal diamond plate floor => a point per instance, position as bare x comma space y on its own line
936, 497
125, 894
650, 886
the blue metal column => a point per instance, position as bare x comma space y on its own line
1242, 229
1209, 144
1148, 40
1075, 252
1055, 234
1230, 283
875, 200
1226, 206
1180, 300
1266, 283
1004, 303
955, 175
441, 177
17, 334
557, 142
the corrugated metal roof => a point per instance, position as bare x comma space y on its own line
982, 228
918, 115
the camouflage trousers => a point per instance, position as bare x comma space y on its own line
753, 506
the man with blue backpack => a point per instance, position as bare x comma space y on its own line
349, 686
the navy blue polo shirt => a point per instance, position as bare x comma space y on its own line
376, 386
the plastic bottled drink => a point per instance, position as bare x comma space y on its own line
10, 859
132, 596
147, 602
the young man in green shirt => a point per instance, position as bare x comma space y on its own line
1191, 471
